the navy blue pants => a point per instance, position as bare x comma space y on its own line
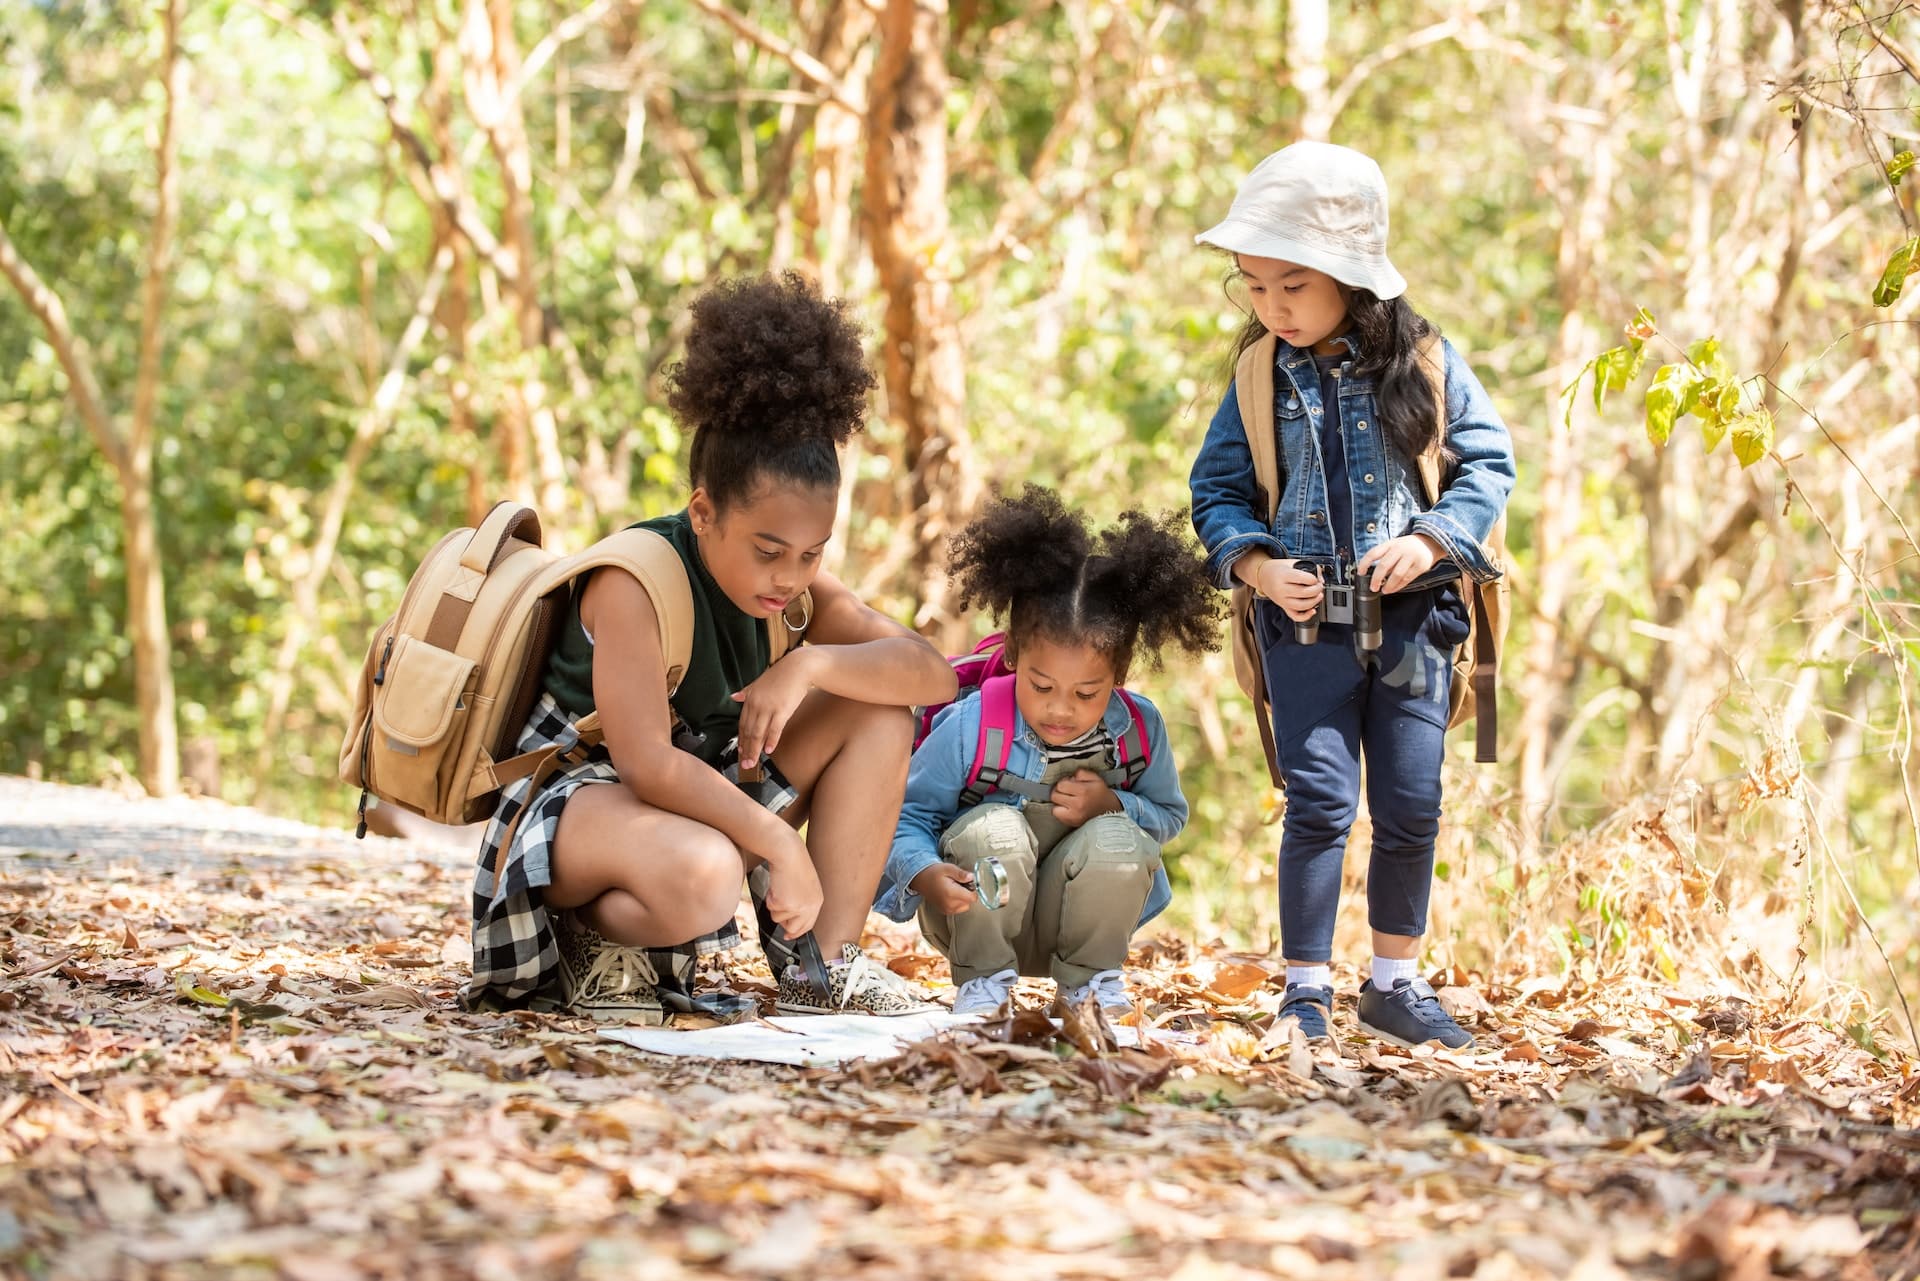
1330, 706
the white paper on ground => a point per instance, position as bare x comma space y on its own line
804, 1040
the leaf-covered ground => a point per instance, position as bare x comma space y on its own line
231, 1047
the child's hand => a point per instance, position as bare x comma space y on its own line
1297, 591
769, 703
794, 896
1083, 795
1399, 561
946, 888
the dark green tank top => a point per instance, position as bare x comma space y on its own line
729, 651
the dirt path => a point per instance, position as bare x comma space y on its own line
229, 1046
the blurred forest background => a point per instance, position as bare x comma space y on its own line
293, 286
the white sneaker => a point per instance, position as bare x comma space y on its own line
1108, 987
985, 994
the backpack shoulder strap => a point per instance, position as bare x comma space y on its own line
652, 560
1253, 388
784, 635
1133, 753
994, 747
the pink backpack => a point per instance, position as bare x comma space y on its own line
985, 668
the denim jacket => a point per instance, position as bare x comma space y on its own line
938, 774
1387, 497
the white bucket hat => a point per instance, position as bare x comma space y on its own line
1317, 205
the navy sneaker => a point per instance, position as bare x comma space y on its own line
1410, 1015
1309, 1005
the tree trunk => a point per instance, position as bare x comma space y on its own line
906, 217
146, 583
1545, 663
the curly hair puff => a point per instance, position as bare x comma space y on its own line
773, 381
1140, 584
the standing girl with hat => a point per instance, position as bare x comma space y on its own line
1353, 411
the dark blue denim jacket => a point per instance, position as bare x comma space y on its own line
1387, 498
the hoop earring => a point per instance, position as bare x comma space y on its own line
805, 622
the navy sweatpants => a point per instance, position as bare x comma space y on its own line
1329, 708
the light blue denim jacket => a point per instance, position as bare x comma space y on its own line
938, 774
1387, 497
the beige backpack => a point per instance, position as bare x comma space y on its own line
1476, 661
451, 678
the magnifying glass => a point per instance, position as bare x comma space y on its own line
990, 883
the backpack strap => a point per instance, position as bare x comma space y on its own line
494, 538
988, 773
1130, 762
1253, 389
784, 635
658, 568
1485, 676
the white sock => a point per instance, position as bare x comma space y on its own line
1386, 969
1311, 975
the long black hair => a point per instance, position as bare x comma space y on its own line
773, 381
1386, 336
1138, 585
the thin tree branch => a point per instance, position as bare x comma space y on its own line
794, 56
153, 290
84, 387
373, 420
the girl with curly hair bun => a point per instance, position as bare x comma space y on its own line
629, 866
1088, 792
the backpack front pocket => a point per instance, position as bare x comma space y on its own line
420, 711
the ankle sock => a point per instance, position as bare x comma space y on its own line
1387, 969
1311, 975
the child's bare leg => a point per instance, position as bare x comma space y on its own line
848, 762
640, 876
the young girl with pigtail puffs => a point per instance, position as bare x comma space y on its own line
1088, 793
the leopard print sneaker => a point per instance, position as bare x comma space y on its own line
603, 980
857, 985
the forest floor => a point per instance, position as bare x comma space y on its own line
230, 1046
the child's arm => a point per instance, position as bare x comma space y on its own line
934, 781
852, 650
630, 691
1482, 476
1227, 512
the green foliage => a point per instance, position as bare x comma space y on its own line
1703, 386
1903, 263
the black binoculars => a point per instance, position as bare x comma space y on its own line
1356, 604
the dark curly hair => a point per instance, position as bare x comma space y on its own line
1139, 584
773, 381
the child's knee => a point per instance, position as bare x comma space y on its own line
997, 830
1114, 842
710, 875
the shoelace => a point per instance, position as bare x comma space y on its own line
863, 974
985, 986
1109, 987
614, 970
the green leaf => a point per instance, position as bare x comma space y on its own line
1905, 261
1752, 437
1713, 430
1898, 166
1671, 384
1704, 352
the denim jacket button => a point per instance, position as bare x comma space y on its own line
1369, 478
1362, 424
1316, 517
1370, 527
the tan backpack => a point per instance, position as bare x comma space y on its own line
1476, 661
451, 678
